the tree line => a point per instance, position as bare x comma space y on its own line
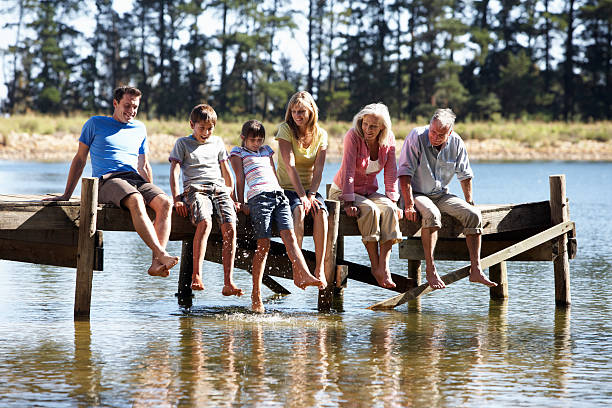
484, 58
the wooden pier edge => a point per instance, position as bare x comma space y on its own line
86, 247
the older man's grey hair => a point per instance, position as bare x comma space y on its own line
445, 117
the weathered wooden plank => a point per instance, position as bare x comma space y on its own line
559, 213
456, 250
86, 247
486, 262
38, 216
46, 247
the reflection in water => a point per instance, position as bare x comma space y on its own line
86, 374
562, 354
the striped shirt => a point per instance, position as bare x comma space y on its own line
258, 170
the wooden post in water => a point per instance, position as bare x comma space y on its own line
185, 294
333, 221
414, 270
498, 273
559, 212
86, 247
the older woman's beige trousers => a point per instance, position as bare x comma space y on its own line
377, 220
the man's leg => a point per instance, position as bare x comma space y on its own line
473, 242
431, 221
162, 261
429, 238
471, 218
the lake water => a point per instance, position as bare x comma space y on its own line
454, 348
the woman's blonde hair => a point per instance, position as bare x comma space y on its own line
303, 98
379, 110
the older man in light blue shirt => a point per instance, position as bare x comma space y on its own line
429, 159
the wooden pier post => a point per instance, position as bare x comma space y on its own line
86, 247
185, 293
498, 273
559, 213
333, 221
414, 270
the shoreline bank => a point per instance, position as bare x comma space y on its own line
62, 147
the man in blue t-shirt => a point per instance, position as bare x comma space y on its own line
118, 149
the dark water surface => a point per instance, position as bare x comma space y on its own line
454, 348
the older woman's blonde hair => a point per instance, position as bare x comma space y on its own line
379, 110
303, 98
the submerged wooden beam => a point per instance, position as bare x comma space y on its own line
486, 262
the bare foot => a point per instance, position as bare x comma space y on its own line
304, 280
168, 260
257, 305
196, 282
320, 275
477, 276
232, 290
433, 278
158, 269
384, 278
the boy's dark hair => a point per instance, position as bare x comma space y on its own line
126, 89
203, 113
253, 128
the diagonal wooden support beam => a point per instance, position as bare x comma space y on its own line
486, 262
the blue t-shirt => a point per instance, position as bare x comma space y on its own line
113, 145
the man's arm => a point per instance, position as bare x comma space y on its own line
409, 210
466, 186
74, 174
144, 168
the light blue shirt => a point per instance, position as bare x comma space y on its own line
113, 146
432, 171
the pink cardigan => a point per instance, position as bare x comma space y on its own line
352, 177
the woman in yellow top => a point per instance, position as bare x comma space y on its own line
303, 146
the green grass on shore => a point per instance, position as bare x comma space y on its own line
531, 133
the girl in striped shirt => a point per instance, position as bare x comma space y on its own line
266, 203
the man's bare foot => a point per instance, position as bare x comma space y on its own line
232, 290
257, 305
477, 276
304, 280
384, 278
158, 269
196, 282
433, 278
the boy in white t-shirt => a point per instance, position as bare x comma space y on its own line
208, 186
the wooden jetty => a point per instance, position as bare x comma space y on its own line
70, 234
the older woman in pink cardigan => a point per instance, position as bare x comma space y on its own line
369, 148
